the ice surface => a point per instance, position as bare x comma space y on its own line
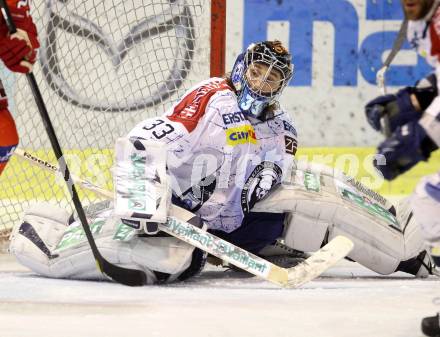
349, 301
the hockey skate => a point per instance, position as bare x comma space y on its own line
281, 255
431, 326
421, 266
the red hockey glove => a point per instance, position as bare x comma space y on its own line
19, 51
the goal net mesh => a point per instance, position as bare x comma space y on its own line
103, 66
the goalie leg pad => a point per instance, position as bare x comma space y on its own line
33, 241
335, 206
379, 249
45, 244
306, 237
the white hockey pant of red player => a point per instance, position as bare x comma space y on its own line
425, 203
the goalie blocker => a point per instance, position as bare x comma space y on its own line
142, 191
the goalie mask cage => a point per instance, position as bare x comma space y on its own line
103, 66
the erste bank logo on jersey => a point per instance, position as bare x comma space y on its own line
241, 135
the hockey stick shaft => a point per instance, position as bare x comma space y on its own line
380, 76
122, 275
315, 265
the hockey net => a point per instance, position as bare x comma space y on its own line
103, 66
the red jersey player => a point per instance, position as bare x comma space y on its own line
18, 52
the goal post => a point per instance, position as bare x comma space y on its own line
103, 66
218, 38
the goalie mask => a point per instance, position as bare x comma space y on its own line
259, 75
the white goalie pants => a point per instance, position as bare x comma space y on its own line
46, 244
322, 203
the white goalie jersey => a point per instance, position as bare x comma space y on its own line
221, 163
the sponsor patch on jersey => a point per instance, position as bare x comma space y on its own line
291, 145
289, 128
241, 135
192, 107
233, 118
263, 178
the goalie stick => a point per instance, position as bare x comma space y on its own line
380, 75
131, 277
293, 277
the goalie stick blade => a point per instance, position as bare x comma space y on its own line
128, 277
319, 262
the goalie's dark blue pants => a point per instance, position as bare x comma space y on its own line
257, 230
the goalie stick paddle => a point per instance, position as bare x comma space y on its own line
131, 277
293, 277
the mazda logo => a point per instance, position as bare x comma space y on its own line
176, 18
